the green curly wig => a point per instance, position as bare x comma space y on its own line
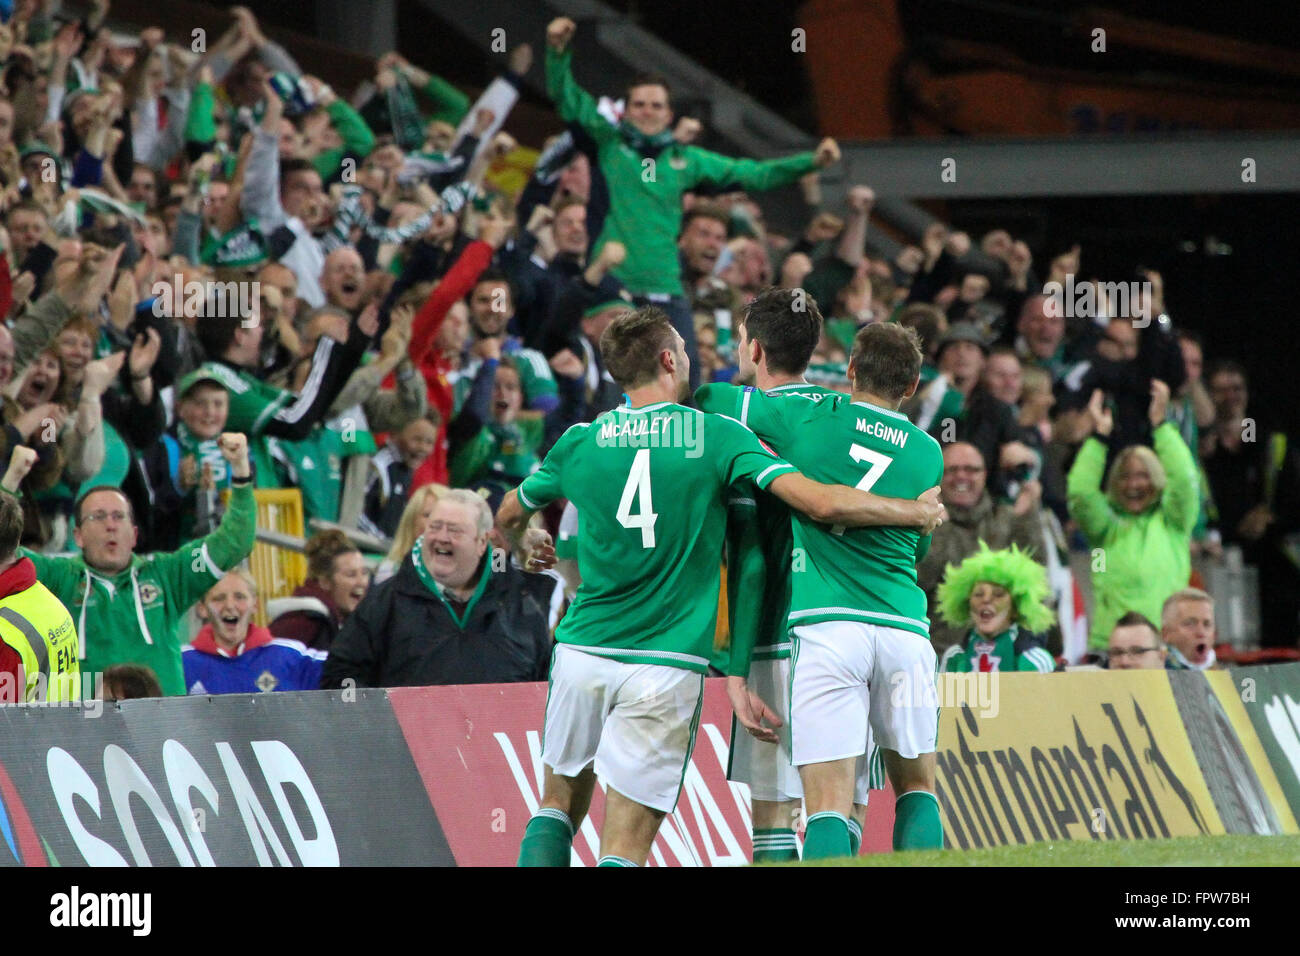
1009, 568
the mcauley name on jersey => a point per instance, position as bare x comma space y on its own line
895, 436
678, 428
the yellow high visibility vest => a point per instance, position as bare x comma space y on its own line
37, 625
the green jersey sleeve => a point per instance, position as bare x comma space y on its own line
720, 399
750, 174
449, 104
759, 412
547, 483
740, 455
187, 574
358, 139
572, 102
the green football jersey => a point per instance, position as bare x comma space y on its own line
506, 451
535, 377
651, 485
758, 586
253, 402
314, 465
838, 574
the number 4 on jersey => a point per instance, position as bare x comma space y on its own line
878, 462
638, 483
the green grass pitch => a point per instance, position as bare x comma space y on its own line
1187, 851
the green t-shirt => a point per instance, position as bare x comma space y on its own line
651, 484
645, 192
758, 590
837, 574
242, 246
253, 403
535, 377
314, 465
986, 654
206, 451
499, 451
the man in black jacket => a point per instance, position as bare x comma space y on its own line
456, 612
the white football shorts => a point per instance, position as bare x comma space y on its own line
851, 681
635, 722
768, 769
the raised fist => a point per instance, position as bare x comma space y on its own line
686, 130
100, 374
20, 463
613, 254
559, 32
958, 244
1159, 402
234, 448
828, 153
861, 198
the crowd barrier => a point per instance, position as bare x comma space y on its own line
450, 775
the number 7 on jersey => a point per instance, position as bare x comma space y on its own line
878, 462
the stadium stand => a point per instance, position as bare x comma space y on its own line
389, 279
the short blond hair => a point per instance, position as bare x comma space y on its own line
1034, 379
1148, 457
244, 572
1170, 607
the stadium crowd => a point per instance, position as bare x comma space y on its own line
221, 276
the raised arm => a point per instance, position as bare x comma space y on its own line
1181, 501
842, 505
1087, 502
572, 102
757, 174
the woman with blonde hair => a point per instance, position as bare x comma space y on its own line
1140, 527
411, 526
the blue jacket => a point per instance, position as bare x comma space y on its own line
262, 663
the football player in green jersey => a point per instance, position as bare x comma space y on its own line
627, 678
776, 337
862, 664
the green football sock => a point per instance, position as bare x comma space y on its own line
615, 861
548, 839
855, 836
916, 822
775, 846
827, 836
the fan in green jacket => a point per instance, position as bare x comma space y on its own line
997, 594
1139, 528
129, 608
648, 170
